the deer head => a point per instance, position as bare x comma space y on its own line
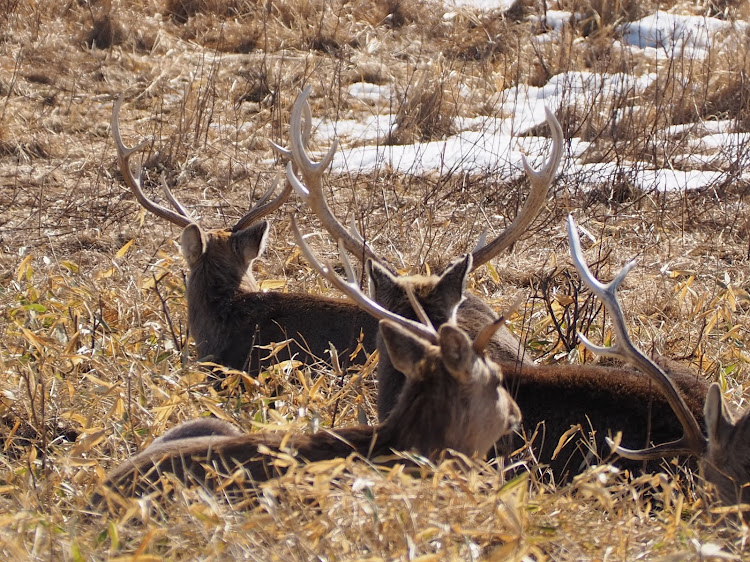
230, 251
724, 455
479, 410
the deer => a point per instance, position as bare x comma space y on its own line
230, 319
722, 451
443, 296
581, 404
599, 400
453, 399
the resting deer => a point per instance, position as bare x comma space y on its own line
724, 455
229, 318
443, 297
453, 398
600, 400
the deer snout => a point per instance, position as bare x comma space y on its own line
514, 415
508, 411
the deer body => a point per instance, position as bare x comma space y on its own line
722, 450
553, 398
603, 401
229, 317
453, 398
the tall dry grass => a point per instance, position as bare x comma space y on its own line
94, 349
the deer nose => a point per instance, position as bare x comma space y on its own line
514, 415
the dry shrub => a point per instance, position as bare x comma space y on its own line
182, 10
105, 32
427, 108
8, 7
481, 37
393, 13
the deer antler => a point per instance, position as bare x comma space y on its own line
261, 208
311, 189
693, 441
182, 217
351, 289
540, 182
134, 181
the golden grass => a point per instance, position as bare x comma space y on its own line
92, 312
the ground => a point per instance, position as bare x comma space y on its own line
94, 353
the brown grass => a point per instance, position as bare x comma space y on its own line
93, 335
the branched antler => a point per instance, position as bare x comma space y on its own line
693, 441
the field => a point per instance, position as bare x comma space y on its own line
95, 356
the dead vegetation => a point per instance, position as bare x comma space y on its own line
94, 352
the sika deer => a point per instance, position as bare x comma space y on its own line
228, 316
453, 398
723, 455
554, 398
442, 296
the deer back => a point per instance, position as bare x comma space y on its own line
453, 398
231, 319
228, 316
599, 400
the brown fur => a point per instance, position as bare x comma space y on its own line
444, 299
726, 463
553, 398
602, 401
229, 317
453, 398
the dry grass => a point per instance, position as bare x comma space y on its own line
93, 336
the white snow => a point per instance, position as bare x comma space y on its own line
495, 144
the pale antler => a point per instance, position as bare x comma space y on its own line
693, 442
261, 208
182, 217
540, 182
351, 289
134, 181
311, 191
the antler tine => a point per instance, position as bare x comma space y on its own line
693, 442
262, 208
485, 335
173, 200
540, 183
134, 181
351, 289
311, 191
306, 134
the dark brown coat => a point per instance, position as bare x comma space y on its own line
602, 401
229, 317
453, 398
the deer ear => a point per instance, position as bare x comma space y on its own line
250, 242
405, 350
452, 283
193, 242
456, 351
719, 422
382, 282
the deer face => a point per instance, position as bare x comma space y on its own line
453, 396
227, 254
726, 463
438, 295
